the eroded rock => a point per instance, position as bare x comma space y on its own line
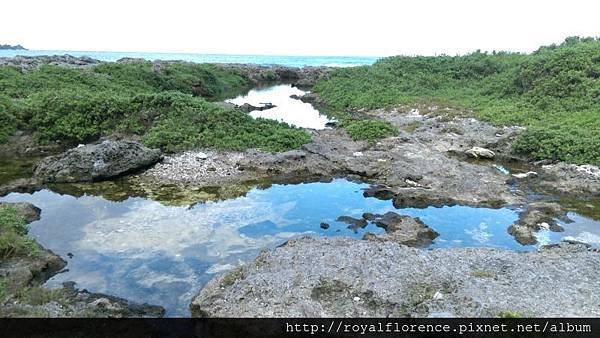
94, 162
536, 216
343, 277
403, 229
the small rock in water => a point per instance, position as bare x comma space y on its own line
324, 225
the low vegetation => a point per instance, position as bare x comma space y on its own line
554, 92
167, 104
13, 235
370, 130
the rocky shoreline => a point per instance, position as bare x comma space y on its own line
440, 157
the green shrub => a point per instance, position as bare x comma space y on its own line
153, 100
370, 130
555, 91
187, 122
8, 122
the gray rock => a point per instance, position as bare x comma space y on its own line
570, 178
95, 162
323, 277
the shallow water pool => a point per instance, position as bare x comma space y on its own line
145, 251
289, 110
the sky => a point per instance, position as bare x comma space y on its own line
302, 27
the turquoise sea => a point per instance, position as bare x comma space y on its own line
292, 61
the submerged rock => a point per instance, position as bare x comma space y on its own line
343, 277
94, 162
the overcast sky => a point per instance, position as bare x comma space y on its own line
302, 27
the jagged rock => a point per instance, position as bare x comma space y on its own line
95, 162
404, 230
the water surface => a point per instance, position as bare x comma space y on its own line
291, 61
289, 110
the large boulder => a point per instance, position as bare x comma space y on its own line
95, 162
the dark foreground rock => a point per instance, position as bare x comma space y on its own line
94, 162
343, 277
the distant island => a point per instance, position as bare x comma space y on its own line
9, 47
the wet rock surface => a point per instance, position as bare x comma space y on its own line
95, 162
342, 277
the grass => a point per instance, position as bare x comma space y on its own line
13, 235
555, 92
168, 104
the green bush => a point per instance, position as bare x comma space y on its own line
554, 91
370, 130
74, 115
163, 102
186, 122
8, 122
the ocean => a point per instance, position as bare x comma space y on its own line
291, 61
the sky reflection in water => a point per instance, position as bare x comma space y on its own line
148, 252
